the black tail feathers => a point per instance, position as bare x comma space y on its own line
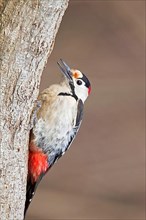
30, 191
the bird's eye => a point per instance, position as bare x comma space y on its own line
79, 82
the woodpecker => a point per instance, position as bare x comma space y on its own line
56, 119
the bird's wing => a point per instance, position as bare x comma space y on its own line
78, 119
79, 113
54, 155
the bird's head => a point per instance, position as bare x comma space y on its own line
77, 81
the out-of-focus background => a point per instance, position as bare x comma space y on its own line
102, 175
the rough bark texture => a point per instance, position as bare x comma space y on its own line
28, 30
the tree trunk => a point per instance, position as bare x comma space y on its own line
28, 30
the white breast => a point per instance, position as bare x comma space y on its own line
56, 130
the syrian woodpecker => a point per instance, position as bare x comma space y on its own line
56, 120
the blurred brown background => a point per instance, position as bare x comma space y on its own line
102, 175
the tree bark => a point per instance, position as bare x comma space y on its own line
28, 30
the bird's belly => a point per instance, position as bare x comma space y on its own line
56, 131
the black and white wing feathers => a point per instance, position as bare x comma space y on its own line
79, 114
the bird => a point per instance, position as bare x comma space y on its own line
56, 119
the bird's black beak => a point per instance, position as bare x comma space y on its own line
65, 70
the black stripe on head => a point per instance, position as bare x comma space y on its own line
85, 79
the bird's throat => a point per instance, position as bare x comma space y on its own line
68, 94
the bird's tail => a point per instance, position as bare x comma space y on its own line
30, 191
